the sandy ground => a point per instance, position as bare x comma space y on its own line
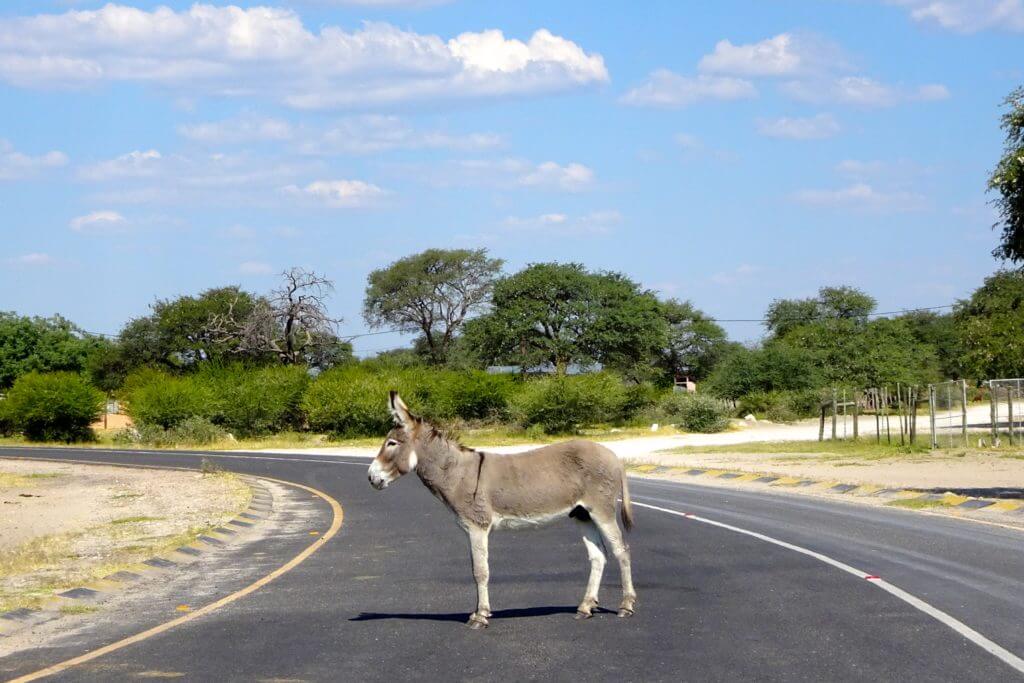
65, 523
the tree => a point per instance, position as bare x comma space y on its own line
432, 292
843, 302
41, 344
178, 333
563, 315
695, 343
291, 324
989, 325
938, 331
1008, 180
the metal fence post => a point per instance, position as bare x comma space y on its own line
1009, 413
856, 412
835, 411
993, 411
931, 414
963, 409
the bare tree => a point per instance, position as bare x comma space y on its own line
291, 324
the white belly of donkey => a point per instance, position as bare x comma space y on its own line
531, 521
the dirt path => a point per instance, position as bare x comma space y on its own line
62, 524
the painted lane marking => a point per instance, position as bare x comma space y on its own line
956, 625
338, 517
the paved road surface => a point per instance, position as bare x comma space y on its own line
387, 598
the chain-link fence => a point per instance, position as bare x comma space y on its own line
1007, 409
947, 408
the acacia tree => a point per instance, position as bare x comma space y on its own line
561, 314
695, 343
432, 292
843, 302
41, 344
291, 324
1008, 180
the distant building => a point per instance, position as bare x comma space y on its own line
685, 384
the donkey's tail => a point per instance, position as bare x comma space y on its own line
627, 506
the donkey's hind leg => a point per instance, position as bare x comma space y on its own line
596, 553
613, 539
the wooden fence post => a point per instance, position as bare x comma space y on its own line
931, 414
821, 425
1009, 413
856, 412
899, 413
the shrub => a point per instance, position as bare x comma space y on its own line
165, 400
562, 404
192, 431
781, 406
696, 412
252, 401
472, 395
349, 401
58, 406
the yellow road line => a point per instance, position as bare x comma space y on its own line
226, 600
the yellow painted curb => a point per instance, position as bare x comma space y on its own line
786, 481
1006, 505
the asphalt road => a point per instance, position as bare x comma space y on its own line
387, 597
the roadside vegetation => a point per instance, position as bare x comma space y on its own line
577, 350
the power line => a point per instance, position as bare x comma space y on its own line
902, 311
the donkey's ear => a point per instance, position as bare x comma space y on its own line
399, 410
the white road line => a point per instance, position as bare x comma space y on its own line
963, 629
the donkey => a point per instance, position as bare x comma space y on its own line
578, 479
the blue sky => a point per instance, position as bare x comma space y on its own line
728, 153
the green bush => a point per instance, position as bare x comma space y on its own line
472, 395
349, 401
166, 400
192, 431
780, 406
563, 404
696, 412
254, 401
57, 406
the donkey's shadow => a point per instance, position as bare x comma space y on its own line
461, 617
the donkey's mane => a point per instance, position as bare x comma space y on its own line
436, 433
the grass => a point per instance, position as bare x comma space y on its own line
31, 573
136, 520
862, 447
10, 480
78, 609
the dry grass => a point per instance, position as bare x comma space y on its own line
33, 572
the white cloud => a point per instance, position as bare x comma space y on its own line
506, 174
370, 134
255, 268
968, 16
688, 141
862, 91
735, 276
265, 51
136, 164
816, 127
783, 55
242, 129
339, 194
664, 88
15, 165
32, 259
862, 196
594, 223
571, 177
98, 222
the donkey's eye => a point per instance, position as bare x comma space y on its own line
390, 443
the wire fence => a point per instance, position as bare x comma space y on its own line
1006, 410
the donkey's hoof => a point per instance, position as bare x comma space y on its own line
625, 612
580, 614
477, 622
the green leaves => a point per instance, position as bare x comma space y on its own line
58, 406
990, 327
1008, 180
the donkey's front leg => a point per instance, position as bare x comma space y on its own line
481, 572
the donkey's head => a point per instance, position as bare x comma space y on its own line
398, 454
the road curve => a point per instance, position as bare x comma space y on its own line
388, 596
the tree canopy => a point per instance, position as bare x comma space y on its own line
562, 314
1008, 180
432, 292
694, 343
43, 345
989, 327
